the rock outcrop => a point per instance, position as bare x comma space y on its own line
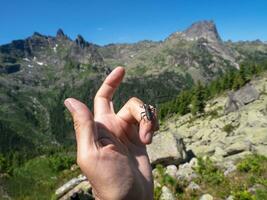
167, 148
203, 29
72, 186
243, 96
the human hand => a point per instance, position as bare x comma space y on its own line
111, 148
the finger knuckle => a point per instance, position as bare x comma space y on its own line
134, 100
77, 124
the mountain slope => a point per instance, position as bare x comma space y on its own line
198, 51
37, 73
223, 135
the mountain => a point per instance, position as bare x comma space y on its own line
203, 29
198, 51
39, 72
35, 75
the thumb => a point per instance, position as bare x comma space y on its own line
83, 124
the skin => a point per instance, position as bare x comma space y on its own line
111, 147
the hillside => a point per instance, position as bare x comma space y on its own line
226, 135
198, 156
39, 72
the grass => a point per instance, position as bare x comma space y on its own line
253, 164
40, 177
248, 182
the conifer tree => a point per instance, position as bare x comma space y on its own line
243, 72
238, 82
198, 99
183, 102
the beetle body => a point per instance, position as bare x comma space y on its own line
148, 113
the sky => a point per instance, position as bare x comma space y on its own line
119, 21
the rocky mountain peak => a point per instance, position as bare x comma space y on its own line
203, 29
36, 34
80, 41
60, 34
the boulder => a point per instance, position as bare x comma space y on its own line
261, 150
231, 197
186, 171
193, 187
206, 197
82, 189
171, 170
166, 194
230, 168
238, 147
166, 149
69, 185
241, 97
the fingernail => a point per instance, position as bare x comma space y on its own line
68, 104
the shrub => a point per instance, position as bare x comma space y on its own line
252, 163
209, 172
228, 128
243, 195
213, 114
261, 194
60, 162
3, 164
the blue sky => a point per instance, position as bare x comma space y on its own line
113, 21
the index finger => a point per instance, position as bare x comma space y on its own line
105, 93
133, 113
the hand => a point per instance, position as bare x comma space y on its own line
111, 148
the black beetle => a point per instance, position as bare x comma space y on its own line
149, 112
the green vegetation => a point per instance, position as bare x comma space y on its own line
209, 173
39, 177
228, 128
253, 164
251, 173
243, 195
213, 114
193, 100
198, 99
163, 179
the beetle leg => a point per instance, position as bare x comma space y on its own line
143, 115
153, 110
